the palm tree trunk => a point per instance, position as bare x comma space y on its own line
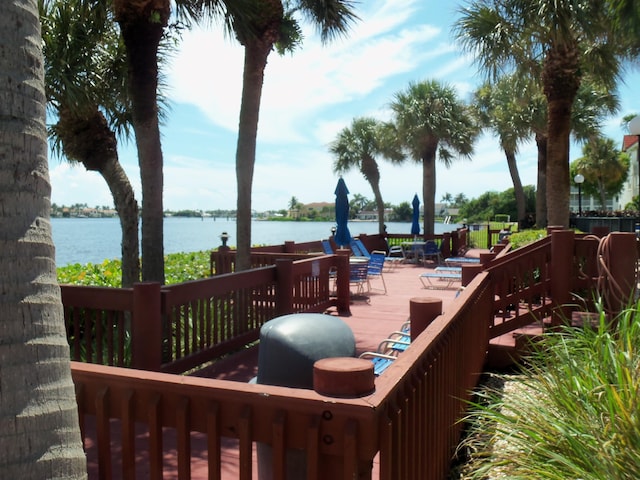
87, 138
255, 61
380, 207
127, 207
517, 185
429, 189
558, 163
561, 80
142, 32
371, 172
541, 190
40, 435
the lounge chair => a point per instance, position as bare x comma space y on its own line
432, 252
440, 280
459, 261
326, 247
375, 267
380, 361
396, 343
449, 269
358, 249
358, 277
396, 255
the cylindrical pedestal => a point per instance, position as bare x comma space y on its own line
423, 311
343, 377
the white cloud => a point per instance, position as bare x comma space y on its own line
308, 97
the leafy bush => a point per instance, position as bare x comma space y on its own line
525, 237
178, 267
574, 412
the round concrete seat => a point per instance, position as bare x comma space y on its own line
291, 344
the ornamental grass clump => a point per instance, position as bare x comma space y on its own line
572, 413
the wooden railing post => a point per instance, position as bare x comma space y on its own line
284, 288
486, 258
562, 248
423, 311
469, 272
445, 248
622, 269
489, 244
289, 246
342, 282
455, 242
146, 327
343, 377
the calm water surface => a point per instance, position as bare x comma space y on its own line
91, 240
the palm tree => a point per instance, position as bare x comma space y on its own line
85, 80
40, 434
558, 42
358, 146
501, 108
273, 26
604, 167
143, 24
431, 121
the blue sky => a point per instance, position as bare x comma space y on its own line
308, 98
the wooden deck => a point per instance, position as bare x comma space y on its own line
373, 317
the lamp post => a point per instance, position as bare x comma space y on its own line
224, 237
579, 179
634, 129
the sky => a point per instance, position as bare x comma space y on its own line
308, 97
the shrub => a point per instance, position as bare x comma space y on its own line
575, 412
178, 268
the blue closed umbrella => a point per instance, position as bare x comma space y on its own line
415, 223
342, 236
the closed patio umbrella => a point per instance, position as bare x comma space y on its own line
342, 236
415, 223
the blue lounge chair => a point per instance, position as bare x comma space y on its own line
326, 247
379, 360
375, 267
396, 343
440, 280
359, 250
459, 261
432, 252
358, 273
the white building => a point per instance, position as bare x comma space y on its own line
631, 188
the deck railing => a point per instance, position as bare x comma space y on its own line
177, 327
410, 422
410, 419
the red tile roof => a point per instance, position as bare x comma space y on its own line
628, 141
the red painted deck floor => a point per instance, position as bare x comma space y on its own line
373, 317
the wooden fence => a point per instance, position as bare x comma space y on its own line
177, 327
410, 420
410, 423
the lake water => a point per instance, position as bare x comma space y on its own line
91, 240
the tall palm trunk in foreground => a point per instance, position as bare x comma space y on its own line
39, 433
